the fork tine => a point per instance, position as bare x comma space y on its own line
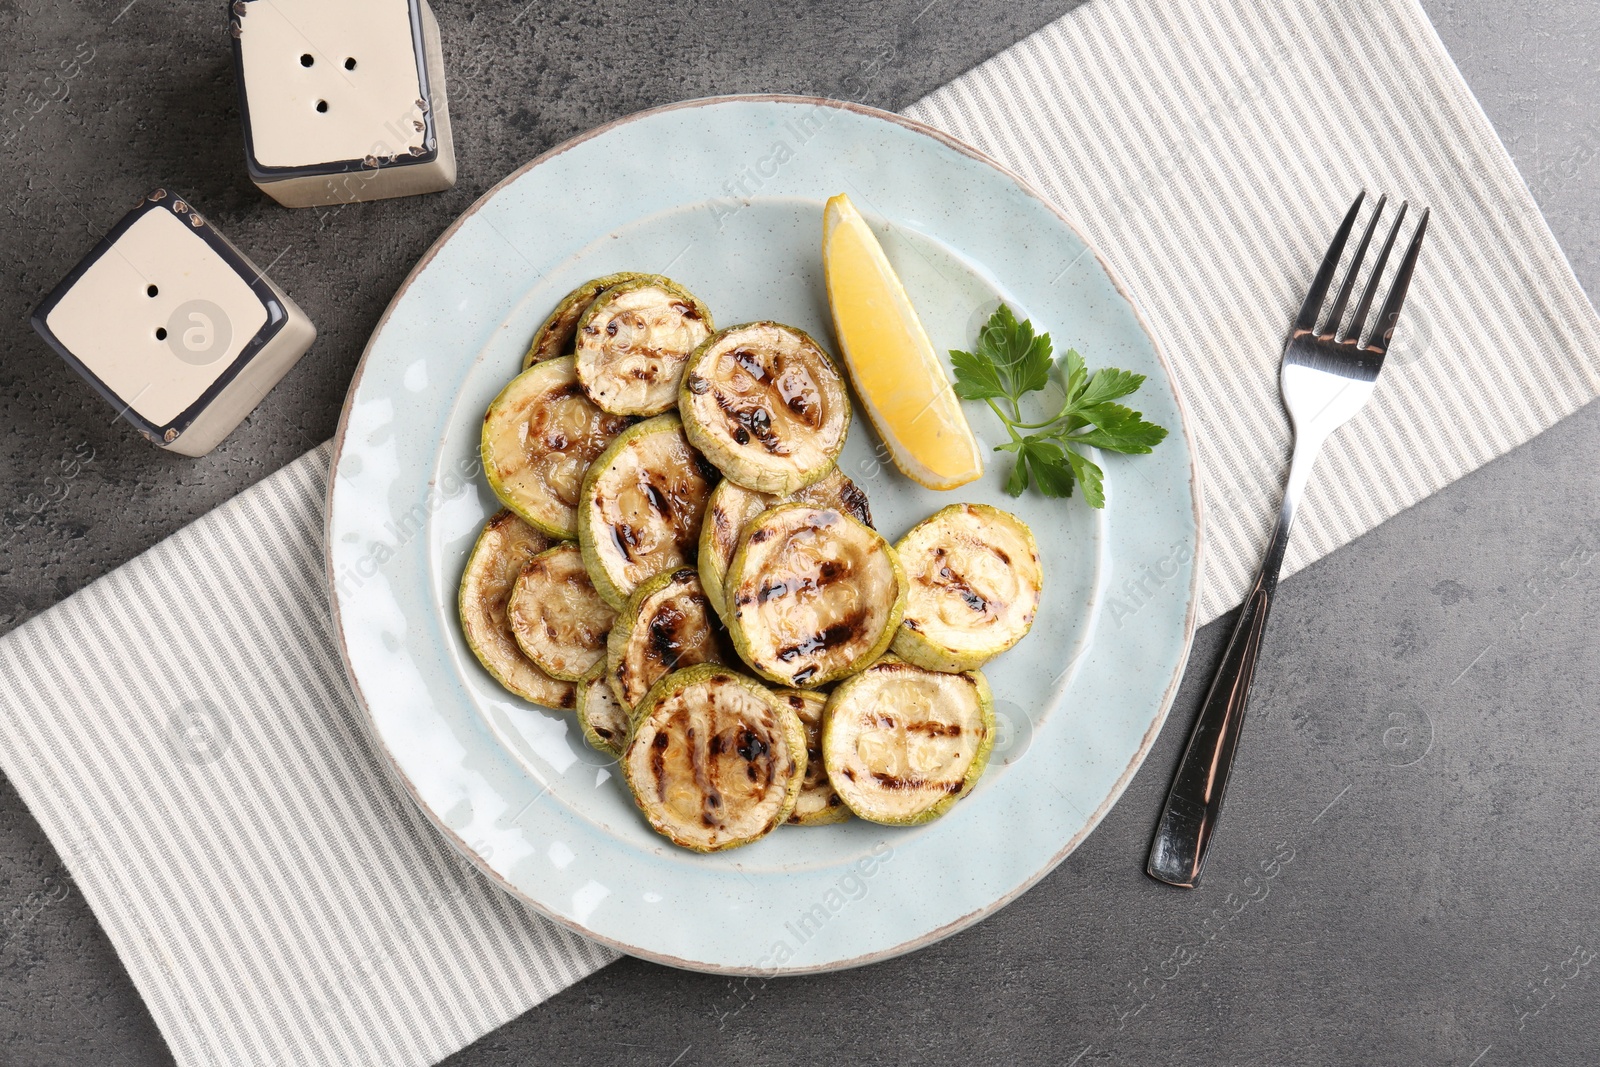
1389, 317
1340, 302
1358, 321
1306, 321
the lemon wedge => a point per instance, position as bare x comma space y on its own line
892, 364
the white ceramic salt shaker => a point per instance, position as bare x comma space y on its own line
342, 100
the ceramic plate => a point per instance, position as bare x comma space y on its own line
726, 196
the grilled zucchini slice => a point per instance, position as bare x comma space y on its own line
715, 760
555, 336
665, 626
767, 405
975, 584
817, 804
558, 619
603, 721
539, 437
640, 509
633, 342
902, 744
505, 546
812, 595
731, 506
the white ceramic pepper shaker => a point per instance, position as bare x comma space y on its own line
174, 326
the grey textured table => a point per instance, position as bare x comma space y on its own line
1421, 743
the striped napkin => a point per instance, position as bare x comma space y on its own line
1209, 148
183, 729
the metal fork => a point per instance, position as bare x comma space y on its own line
1327, 376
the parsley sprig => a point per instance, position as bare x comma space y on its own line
1011, 361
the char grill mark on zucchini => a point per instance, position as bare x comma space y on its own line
633, 342
641, 507
732, 506
902, 744
604, 721
665, 626
557, 618
812, 595
837, 490
503, 549
975, 583
555, 336
767, 405
539, 437
714, 759
817, 804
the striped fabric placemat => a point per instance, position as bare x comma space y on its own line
1208, 150
184, 732
183, 729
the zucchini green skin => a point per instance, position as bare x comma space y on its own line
732, 506
936, 797
728, 509
558, 620
751, 740
554, 336
818, 804
503, 548
781, 431
676, 535
837, 644
603, 721
626, 381
539, 436
975, 582
646, 644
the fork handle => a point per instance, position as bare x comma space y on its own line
1194, 803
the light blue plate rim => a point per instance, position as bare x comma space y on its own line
1176, 602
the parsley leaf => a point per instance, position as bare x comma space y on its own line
1049, 464
1017, 480
1012, 361
1090, 477
1118, 429
976, 377
1009, 361
1074, 374
1109, 385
